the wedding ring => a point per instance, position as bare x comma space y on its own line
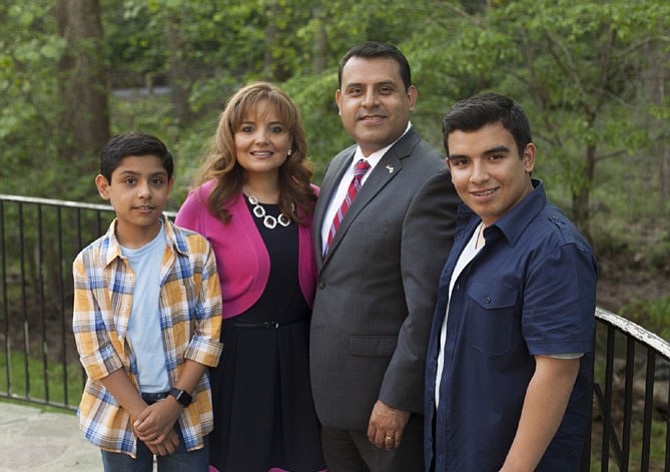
389, 437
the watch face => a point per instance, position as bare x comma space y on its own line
183, 398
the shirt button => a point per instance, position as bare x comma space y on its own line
488, 300
322, 284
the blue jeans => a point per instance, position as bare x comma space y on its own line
180, 460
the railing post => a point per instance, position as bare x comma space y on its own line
24, 304
607, 406
41, 280
586, 450
628, 404
667, 432
5, 300
648, 408
59, 223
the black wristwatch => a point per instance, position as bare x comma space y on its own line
182, 397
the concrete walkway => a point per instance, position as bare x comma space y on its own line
35, 441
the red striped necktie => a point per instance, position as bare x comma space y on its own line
360, 169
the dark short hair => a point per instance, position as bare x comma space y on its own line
478, 111
376, 50
133, 143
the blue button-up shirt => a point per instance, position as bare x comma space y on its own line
529, 291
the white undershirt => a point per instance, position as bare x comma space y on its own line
469, 252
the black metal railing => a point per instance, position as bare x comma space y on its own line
630, 427
40, 238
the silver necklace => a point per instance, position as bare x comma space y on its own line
269, 221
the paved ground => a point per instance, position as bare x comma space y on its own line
34, 441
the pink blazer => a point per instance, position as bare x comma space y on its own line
242, 260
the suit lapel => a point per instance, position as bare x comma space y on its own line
384, 172
329, 186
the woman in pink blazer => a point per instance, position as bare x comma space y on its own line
253, 201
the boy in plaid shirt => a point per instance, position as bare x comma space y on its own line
147, 320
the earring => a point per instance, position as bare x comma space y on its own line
290, 151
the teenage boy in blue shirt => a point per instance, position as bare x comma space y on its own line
508, 377
147, 320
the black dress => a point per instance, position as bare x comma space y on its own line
263, 410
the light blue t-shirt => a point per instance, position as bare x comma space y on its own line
144, 325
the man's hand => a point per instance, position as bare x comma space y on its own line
387, 425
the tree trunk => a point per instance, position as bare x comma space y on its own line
665, 178
320, 40
654, 85
83, 85
659, 94
581, 196
275, 68
580, 209
178, 72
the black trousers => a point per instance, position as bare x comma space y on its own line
351, 451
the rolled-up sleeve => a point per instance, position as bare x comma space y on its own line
96, 349
205, 346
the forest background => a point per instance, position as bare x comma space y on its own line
594, 77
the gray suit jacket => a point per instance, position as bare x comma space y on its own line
377, 286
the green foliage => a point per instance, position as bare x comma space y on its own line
321, 121
659, 255
135, 43
29, 50
580, 69
570, 64
653, 315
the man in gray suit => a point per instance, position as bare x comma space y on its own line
383, 226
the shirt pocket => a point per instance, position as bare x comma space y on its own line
491, 317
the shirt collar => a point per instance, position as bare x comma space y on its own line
112, 248
374, 158
518, 218
513, 223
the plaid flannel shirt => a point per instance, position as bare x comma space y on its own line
190, 312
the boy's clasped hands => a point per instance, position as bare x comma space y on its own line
155, 426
